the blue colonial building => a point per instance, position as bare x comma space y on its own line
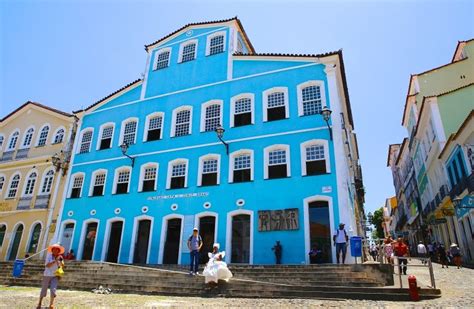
219, 137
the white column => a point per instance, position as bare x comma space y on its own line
346, 212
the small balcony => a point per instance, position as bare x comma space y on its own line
463, 184
24, 203
22, 154
7, 156
42, 201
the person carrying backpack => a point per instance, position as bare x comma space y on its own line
194, 245
340, 239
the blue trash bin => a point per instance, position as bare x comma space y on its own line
356, 246
18, 268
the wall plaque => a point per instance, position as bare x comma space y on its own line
278, 220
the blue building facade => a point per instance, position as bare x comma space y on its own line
285, 175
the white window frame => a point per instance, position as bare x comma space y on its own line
213, 35
181, 47
173, 119
234, 99
85, 130
10, 139
101, 130
300, 88
38, 135
4, 182
53, 137
71, 183
122, 129
116, 173
24, 138
321, 142
147, 124
92, 181
2, 141
170, 169
43, 179
10, 185
159, 52
24, 194
266, 158
142, 174
204, 106
231, 163
214, 156
266, 93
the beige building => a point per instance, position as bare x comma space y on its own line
31, 186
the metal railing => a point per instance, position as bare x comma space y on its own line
423, 261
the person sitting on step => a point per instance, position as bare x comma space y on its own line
216, 269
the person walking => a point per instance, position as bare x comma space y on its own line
340, 239
374, 251
400, 249
431, 251
54, 261
194, 246
442, 256
277, 249
421, 250
456, 254
388, 249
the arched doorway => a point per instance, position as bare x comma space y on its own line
15, 243
3, 230
240, 243
320, 231
207, 228
66, 237
115, 238
142, 240
34, 239
89, 241
172, 242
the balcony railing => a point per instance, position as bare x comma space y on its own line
7, 156
463, 184
24, 203
42, 201
22, 154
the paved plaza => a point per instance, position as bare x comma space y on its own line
456, 286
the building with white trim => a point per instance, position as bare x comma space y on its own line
281, 172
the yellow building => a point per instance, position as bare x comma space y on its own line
31, 186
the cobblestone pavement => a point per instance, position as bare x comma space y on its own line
457, 286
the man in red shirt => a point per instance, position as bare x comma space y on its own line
401, 250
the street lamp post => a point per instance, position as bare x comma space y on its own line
326, 113
124, 148
59, 161
220, 134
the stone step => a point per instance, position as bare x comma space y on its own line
333, 293
281, 281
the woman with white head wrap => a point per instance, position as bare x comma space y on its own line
216, 269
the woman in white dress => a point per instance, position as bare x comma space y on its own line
216, 269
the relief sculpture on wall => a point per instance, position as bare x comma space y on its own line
278, 220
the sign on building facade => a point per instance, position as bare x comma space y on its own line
278, 220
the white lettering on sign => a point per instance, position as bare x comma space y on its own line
327, 189
175, 196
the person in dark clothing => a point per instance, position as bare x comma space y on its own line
277, 249
442, 256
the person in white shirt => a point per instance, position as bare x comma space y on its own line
421, 249
340, 239
54, 260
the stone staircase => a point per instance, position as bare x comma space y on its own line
292, 281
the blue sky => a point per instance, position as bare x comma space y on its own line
69, 54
